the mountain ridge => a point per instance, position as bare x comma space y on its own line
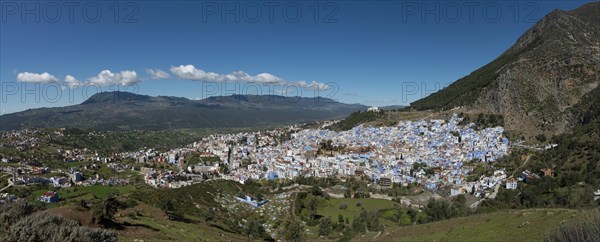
125, 111
535, 83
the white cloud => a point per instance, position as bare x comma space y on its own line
36, 78
190, 72
157, 74
313, 85
107, 77
72, 82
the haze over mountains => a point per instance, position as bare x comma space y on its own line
128, 111
539, 83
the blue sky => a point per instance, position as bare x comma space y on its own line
371, 52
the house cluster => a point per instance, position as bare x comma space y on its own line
34, 177
49, 197
106, 182
158, 178
384, 154
481, 187
21, 140
73, 155
6, 197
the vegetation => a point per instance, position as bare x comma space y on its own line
104, 211
482, 121
20, 220
199, 201
504, 225
293, 230
108, 143
466, 90
584, 229
255, 230
357, 118
148, 223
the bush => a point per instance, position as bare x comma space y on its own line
343, 205
585, 229
325, 226
19, 222
48, 227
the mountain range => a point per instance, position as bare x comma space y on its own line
539, 84
129, 111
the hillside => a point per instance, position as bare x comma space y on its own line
128, 111
536, 82
509, 225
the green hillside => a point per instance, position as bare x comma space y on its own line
509, 225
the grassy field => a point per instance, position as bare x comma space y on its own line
332, 206
148, 223
509, 225
97, 190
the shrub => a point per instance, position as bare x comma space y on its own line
585, 229
19, 222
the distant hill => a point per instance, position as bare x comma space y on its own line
129, 111
537, 83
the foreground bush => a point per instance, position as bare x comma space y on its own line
21, 222
585, 229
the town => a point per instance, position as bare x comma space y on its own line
434, 154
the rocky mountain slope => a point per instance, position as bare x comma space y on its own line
536, 83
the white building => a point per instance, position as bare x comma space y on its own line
511, 184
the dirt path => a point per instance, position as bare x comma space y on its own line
521, 166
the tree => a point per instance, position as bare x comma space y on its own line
316, 191
166, 206
325, 226
105, 210
421, 217
83, 204
348, 193
293, 230
255, 230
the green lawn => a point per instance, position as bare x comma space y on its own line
508, 225
332, 206
68, 194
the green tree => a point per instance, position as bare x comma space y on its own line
293, 230
255, 230
325, 226
166, 206
105, 210
404, 220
